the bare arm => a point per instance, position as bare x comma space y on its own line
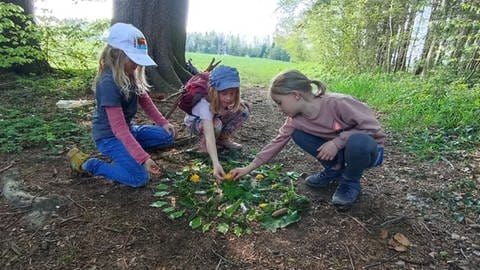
212, 148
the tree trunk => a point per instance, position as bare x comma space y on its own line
38, 66
163, 22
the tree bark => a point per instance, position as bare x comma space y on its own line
38, 66
164, 23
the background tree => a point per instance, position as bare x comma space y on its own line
164, 23
20, 39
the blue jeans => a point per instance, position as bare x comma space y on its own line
123, 168
361, 152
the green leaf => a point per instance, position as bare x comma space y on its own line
158, 204
223, 228
273, 224
176, 215
161, 193
231, 209
169, 209
238, 231
196, 222
162, 186
206, 227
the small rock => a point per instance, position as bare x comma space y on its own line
433, 254
455, 236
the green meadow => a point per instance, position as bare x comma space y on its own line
433, 116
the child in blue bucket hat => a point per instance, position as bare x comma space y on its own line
218, 115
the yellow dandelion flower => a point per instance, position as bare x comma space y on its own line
195, 178
228, 177
259, 177
263, 205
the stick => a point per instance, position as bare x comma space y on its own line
448, 162
361, 224
350, 256
68, 219
381, 261
223, 258
218, 264
7, 167
77, 204
393, 220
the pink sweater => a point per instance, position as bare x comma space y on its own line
339, 116
122, 132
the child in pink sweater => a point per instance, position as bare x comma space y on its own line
338, 130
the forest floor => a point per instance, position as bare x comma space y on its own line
99, 225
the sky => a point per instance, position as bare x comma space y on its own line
244, 17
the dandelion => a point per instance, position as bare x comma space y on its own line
263, 205
228, 177
259, 177
195, 178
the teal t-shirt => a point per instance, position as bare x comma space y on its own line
108, 94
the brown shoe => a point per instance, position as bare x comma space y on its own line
76, 159
229, 144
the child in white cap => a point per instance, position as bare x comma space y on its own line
217, 116
120, 86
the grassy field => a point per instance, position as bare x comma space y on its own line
434, 116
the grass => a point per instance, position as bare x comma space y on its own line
253, 71
435, 116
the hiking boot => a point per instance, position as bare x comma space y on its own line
76, 159
229, 144
323, 179
347, 193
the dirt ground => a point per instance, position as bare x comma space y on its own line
100, 225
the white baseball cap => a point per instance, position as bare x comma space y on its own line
131, 41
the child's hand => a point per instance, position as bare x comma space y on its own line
238, 173
327, 151
170, 129
218, 172
151, 166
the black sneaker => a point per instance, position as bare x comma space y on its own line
323, 179
347, 193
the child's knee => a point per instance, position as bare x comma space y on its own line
138, 180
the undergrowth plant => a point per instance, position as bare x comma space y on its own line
266, 196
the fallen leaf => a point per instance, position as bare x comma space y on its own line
397, 246
383, 234
402, 239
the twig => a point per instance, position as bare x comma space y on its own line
350, 256
360, 223
381, 261
7, 167
392, 220
447, 161
111, 229
14, 213
223, 258
218, 264
124, 245
415, 262
77, 204
68, 219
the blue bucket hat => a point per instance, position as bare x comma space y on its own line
224, 77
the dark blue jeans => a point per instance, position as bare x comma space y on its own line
123, 168
361, 152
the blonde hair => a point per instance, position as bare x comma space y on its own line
115, 60
293, 80
214, 99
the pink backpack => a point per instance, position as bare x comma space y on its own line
195, 89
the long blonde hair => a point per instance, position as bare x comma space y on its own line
115, 59
214, 99
293, 80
